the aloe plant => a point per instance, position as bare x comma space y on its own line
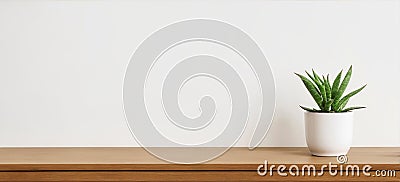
329, 97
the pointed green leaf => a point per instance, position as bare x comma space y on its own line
317, 77
352, 108
340, 107
321, 88
308, 109
347, 97
312, 89
327, 87
342, 88
329, 84
328, 105
336, 83
316, 82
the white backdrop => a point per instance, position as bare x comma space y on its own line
62, 63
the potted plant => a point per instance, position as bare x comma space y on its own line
329, 129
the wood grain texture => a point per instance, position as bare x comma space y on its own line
133, 164
172, 176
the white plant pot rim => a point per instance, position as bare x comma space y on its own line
329, 113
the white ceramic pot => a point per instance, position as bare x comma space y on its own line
329, 134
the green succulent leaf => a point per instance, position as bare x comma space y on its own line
312, 89
342, 88
316, 76
348, 96
352, 108
321, 87
316, 82
308, 109
340, 107
328, 105
336, 83
329, 85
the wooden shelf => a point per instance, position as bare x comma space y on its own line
131, 164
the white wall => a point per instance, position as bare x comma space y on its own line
62, 63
